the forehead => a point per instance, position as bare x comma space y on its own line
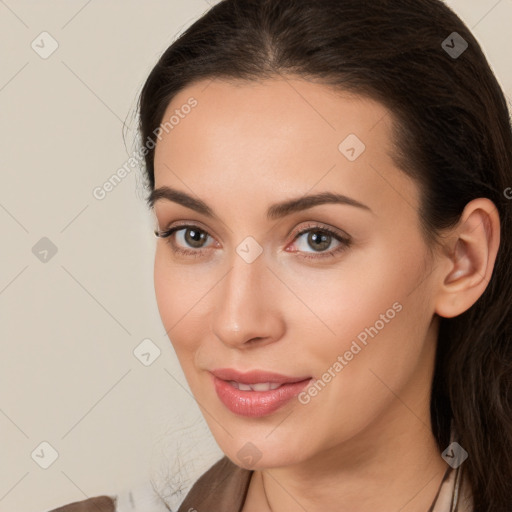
289, 111
283, 136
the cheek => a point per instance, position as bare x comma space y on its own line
373, 334
373, 362
178, 294
341, 300
166, 290
366, 299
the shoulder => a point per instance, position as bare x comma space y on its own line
95, 504
141, 498
222, 488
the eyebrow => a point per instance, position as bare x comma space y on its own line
274, 212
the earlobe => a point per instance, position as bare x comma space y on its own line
471, 259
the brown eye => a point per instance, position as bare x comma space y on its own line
186, 240
194, 237
320, 240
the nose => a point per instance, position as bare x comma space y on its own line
247, 309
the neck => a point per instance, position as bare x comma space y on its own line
390, 469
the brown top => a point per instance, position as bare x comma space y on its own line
224, 486
96, 504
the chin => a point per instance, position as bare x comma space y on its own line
258, 453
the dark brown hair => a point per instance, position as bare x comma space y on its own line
452, 135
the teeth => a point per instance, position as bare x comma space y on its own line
264, 386
260, 386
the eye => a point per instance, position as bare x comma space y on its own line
320, 238
185, 236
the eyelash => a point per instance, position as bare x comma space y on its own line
344, 241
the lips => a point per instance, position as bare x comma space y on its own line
255, 376
255, 393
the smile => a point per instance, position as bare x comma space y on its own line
257, 398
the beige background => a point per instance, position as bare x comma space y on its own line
69, 326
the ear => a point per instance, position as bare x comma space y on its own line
469, 257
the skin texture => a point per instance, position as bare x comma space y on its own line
365, 441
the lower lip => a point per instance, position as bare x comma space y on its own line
256, 403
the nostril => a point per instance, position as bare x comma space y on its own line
252, 341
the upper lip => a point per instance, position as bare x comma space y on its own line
254, 376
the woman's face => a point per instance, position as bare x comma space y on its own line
253, 293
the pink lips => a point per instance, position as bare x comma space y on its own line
255, 403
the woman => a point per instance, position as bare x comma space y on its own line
331, 187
